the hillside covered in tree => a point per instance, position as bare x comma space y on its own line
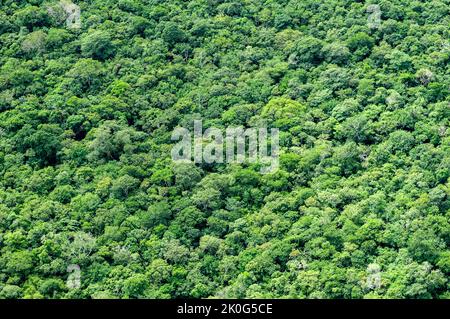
360, 205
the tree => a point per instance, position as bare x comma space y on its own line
34, 42
31, 16
308, 50
361, 44
85, 75
97, 45
109, 142
123, 186
42, 144
172, 34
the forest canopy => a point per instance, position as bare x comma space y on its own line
360, 204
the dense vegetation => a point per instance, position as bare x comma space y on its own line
86, 116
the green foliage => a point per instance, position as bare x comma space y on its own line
97, 45
359, 207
